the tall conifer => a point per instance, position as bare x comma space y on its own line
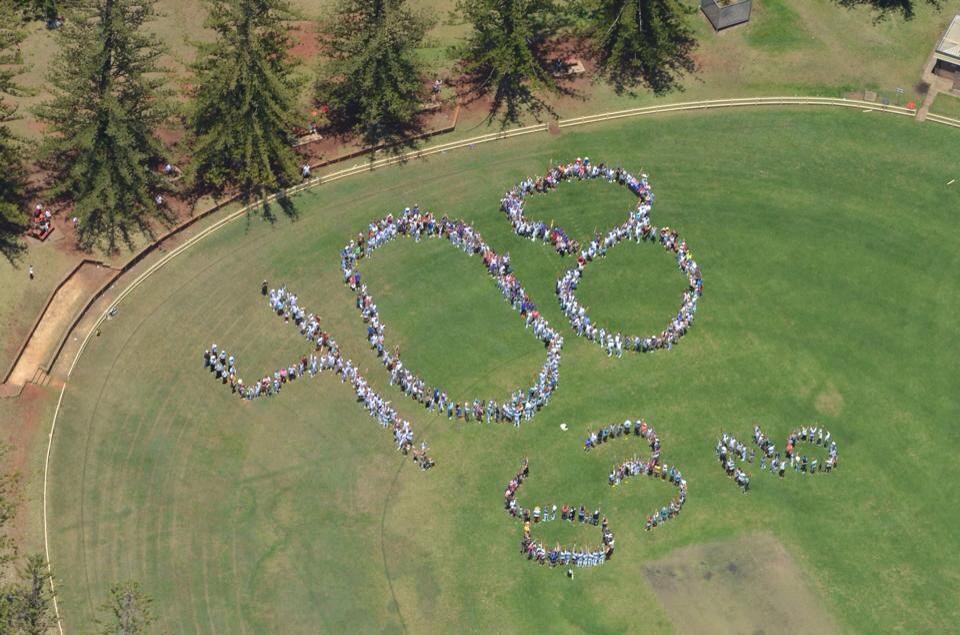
372, 80
108, 100
13, 219
643, 42
128, 612
32, 599
507, 54
245, 108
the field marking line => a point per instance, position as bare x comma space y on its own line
394, 160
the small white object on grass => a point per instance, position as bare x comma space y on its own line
563, 427
951, 181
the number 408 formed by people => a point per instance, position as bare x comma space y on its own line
323, 354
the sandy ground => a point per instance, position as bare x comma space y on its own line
745, 585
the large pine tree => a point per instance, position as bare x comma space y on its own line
128, 611
507, 55
48, 10
371, 81
13, 219
643, 43
108, 101
245, 109
32, 600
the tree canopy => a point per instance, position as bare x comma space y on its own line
642, 43
507, 55
25, 595
108, 99
245, 109
13, 219
371, 82
48, 10
127, 612
885, 8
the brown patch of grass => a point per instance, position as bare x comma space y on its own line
829, 402
304, 36
744, 585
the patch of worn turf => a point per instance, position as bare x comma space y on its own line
749, 584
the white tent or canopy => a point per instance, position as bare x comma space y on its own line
948, 50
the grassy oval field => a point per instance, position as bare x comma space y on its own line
828, 246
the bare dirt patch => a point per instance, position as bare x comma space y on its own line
305, 44
744, 585
829, 402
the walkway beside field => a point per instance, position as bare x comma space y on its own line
40, 349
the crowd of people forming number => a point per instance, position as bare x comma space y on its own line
637, 228
636, 466
325, 356
522, 404
729, 450
418, 224
535, 550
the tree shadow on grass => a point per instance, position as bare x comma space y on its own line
885, 8
12, 247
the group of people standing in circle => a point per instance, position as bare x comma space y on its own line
637, 228
418, 224
730, 451
535, 550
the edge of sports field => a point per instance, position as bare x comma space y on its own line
864, 106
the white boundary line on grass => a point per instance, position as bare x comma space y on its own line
417, 154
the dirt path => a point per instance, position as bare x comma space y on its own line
55, 321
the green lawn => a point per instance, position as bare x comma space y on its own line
946, 105
826, 239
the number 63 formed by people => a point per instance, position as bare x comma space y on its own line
323, 354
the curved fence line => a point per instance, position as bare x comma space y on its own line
394, 160
733, 103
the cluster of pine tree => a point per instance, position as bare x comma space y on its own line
110, 94
13, 219
26, 592
108, 100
